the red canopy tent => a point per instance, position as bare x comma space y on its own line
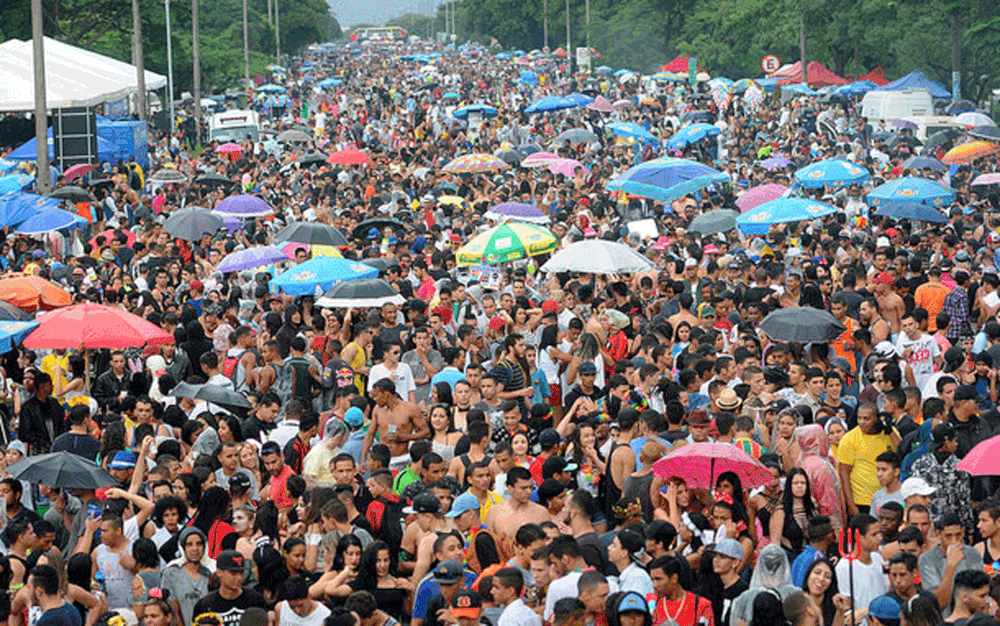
877, 76
679, 64
560, 52
818, 75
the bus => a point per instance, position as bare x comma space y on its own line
378, 34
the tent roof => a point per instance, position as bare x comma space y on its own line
679, 64
917, 80
877, 76
818, 74
73, 76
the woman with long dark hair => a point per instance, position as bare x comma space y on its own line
374, 577
210, 518
270, 571
820, 584
789, 521
188, 488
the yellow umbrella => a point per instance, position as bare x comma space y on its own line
507, 242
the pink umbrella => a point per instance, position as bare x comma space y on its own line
986, 179
229, 148
540, 159
567, 167
982, 460
759, 195
700, 464
78, 170
601, 104
624, 103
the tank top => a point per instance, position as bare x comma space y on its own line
301, 379
612, 494
638, 487
358, 361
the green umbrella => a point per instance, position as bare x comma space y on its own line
507, 242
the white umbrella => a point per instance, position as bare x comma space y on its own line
598, 256
974, 118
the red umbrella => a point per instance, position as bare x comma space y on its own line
700, 464
983, 460
31, 293
78, 170
92, 326
351, 156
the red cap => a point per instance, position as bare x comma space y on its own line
883, 278
549, 306
892, 232
497, 323
197, 285
584, 201
456, 237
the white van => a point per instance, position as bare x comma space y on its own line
896, 105
234, 125
927, 125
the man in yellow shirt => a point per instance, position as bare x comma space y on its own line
59, 357
858, 451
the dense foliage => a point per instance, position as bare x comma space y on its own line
106, 26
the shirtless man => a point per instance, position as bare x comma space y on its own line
428, 522
870, 317
889, 302
684, 315
505, 519
397, 423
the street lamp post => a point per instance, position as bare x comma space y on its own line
140, 71
43, 180
170, 67
196, 54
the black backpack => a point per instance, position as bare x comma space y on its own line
391, 530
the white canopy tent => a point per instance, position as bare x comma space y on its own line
74, 77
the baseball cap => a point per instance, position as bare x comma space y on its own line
588, 369
122, 460
884, 607
953, 358
466, 603
229, 561
448, 572
463, 504
707, 311
557, 464
354, 417
372, 233
690, 262
549, 438
965, 392
916, 486
632, 602
423, 503
941, 434
730, 548
993, 237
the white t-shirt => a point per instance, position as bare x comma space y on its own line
870, 581
921, 360
402, 377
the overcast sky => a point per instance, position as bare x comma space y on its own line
351, 12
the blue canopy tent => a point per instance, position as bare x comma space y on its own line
916, 80
106, 151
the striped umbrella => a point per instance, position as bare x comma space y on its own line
507, 242
475, 164
540, 159
969, 152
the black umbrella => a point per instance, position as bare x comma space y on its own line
513, 157
902, 139
312, 233
213, 180
72, 193
10, 313
366, 292
986, 133
426, 86
713, 222
62, 469
959, 106
361, 230
235, 402
833, 97
311, 159
941, 139
191, 224
378, 263
802, 324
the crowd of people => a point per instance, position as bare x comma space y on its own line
487, 454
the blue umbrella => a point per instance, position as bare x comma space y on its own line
631, 130
50, 219
921, 163
666, 178
579, 99
833, 173
550, 103
691, 134
250, 258
502, 56
308, 79
7, 166
12, 333
912, 211
271, 88
484, 110
13, 183
621, 72
451, 96
603, 69
799, 88
528, 77
779, 211
328, 82
321, 271
911, 189
17, 207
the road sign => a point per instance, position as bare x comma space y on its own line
770, 64
693, 70
583, 58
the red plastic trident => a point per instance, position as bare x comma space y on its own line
849, 548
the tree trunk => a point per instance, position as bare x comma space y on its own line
802, 49
956, 58
140, 71
196, 77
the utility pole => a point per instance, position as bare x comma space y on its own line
140, 71
277, 33
246, 48
545, 24
196, 53
802, 49
569, 44
43, 181
586, 20
170, 68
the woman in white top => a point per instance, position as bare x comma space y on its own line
444, 435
